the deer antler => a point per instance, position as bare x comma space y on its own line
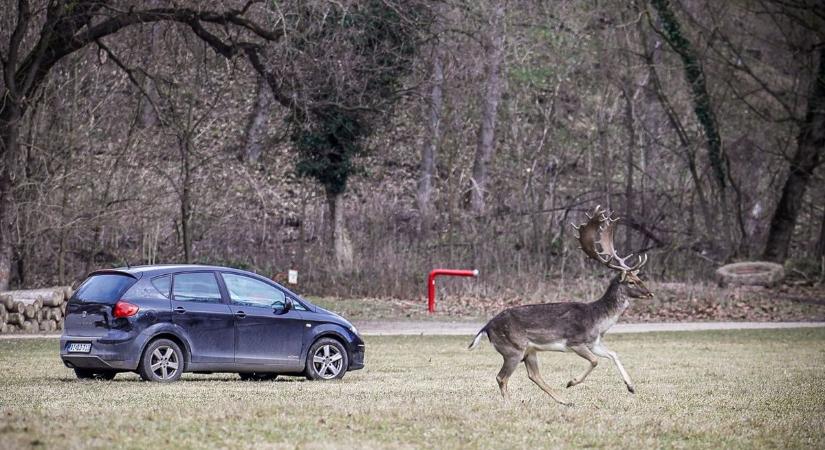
598, 231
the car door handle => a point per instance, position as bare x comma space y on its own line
180, 310
240, 314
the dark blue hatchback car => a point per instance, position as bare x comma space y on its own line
161, 321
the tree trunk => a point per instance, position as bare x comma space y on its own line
186, 202
810, 142
695, 76
430, 148
689, 155
10, 118
151, 98
494, 52
820, 243
256, 126
337, 237
631, 132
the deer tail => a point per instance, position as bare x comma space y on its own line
477, 338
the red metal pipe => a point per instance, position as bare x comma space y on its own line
448, 272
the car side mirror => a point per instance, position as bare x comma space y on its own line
288, 305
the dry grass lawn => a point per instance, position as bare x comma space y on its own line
738, 389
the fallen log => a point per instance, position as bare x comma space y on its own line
56, 314
48, 296
17, 307
31, 311
7, 301
37, 302
15, 318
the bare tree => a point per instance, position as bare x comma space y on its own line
43, 36
434, 112
255, 137
485, 146
808, 155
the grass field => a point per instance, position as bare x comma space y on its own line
739, 389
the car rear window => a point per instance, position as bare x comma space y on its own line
105, 288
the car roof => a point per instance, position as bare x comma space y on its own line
160, 269
163, 269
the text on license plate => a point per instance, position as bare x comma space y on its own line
79, 348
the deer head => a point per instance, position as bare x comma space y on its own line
596, 239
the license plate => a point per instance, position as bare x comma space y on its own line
79, 348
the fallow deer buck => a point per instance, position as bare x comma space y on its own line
519, 333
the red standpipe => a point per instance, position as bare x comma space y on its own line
448, 272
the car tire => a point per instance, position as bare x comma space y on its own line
89, 374
256, 376
162, 361
326, 360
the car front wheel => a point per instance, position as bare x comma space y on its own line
162, 361
326, 360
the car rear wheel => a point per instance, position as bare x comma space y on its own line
162, 361
88, 374
327, 360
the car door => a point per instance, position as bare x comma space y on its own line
265, 334
200, 310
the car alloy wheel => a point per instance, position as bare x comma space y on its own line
164, 362
328, 361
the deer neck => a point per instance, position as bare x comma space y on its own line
614, 301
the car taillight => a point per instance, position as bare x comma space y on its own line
124, 309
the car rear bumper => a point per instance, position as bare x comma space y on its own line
357, 361
104, 354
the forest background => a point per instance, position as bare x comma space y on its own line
364, 143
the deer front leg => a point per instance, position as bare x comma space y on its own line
585, 353
531, 361
600, 350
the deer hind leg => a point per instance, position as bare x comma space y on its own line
531, 361
585, 353
507, 369
600, 350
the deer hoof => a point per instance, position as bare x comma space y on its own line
571, 383
631, 389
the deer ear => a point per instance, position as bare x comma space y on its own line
623, 278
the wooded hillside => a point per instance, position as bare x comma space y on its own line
366, 142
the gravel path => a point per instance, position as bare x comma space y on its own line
434, 328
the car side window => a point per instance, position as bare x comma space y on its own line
248, 291
199, 287
163, 284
